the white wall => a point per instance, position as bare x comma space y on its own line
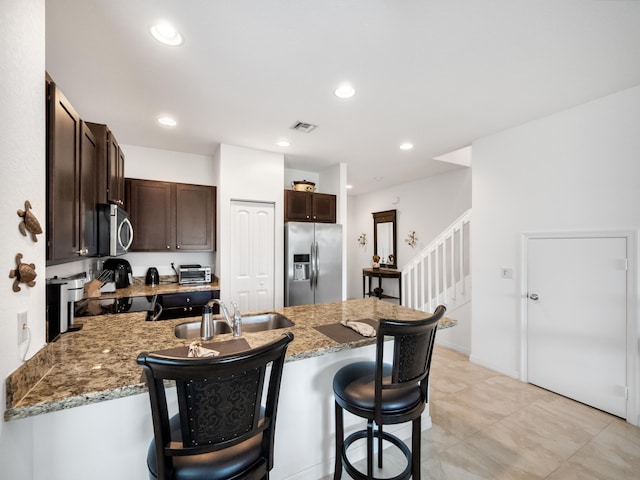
22, 157
577, 170
252, 175
426, 206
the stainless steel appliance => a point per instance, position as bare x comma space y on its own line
188, 274
61, 296
115, 232
313, 263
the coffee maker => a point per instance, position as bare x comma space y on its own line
122, 274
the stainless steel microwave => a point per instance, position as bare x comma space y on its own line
115, 232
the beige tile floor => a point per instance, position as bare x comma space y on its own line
489, 426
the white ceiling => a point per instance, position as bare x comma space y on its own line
437, 73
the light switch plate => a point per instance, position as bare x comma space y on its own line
507, 272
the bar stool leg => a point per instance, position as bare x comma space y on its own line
337, 472
415, 448
370, 449
379, 446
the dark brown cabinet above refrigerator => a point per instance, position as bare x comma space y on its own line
71, 181
169, 216
309, 207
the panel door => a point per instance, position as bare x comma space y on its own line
88, 181
151, 211
252, 254
576, 328
195, 217
63, 175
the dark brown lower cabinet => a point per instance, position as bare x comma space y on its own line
169, 216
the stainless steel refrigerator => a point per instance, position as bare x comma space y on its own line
313, 263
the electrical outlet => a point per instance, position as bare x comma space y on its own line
22, 327
507, 272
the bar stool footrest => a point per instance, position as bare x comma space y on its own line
358, 475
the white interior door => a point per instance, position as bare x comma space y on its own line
252, 252
576, 319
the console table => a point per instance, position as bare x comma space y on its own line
380, 273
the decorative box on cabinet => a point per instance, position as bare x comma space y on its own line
309, 207
71, 181
170, 216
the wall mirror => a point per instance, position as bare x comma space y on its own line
384, 238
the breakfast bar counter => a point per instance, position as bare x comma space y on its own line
98, 362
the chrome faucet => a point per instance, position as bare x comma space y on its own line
206, 326
237, 320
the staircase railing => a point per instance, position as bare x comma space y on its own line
440, 273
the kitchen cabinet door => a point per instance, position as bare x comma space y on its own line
88, 219
110, 166
195, 217
324, 208
63, 188
150, 205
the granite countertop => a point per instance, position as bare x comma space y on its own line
168, 284
98, 362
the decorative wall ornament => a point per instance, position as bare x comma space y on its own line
24, 273
411, 239
362, 240
30, 223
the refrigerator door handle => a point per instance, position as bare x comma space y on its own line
317, 263
312, 266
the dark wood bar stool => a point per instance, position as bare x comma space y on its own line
387, 394
222, 430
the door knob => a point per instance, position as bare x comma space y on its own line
534, 296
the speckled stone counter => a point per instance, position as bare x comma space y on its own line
98, 363
168, 284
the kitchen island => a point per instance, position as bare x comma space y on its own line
88, 385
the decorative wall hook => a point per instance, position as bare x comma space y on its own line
30, 223
362, 240
411, 239
24, 273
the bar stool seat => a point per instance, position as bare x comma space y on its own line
387, 394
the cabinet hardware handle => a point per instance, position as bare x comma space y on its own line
534, 296
82, 251
168, 247
178, 246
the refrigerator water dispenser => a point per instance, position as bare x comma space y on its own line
300, 267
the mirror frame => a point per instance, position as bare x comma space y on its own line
388, 216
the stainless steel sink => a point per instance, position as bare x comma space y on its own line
250, 323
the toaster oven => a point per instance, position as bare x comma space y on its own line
189, 274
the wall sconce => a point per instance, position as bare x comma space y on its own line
362, 240
411, 239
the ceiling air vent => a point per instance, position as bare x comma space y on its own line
303, 127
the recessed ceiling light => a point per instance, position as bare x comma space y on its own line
165, 33
167, 121
345, 91
406, 146
349, 186
283, 143
377, 179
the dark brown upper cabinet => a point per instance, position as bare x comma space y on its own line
110, 166
71, 181
170, 216
309, 207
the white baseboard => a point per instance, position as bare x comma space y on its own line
495, 367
